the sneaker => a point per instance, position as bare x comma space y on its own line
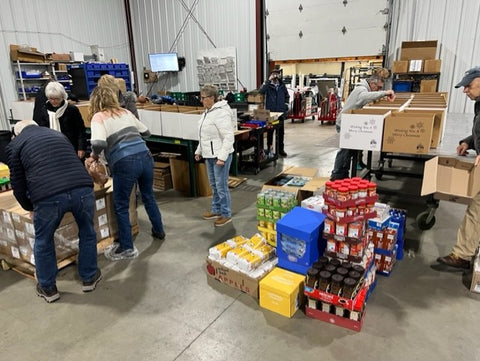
282, 154
158, 235
211, 215
118, 253
89, 286
222, 221
50, 295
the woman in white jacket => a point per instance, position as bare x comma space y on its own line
215, 131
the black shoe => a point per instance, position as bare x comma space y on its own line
50, 295
158, 235
89, 286
282, 154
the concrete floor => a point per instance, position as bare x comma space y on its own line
161, 306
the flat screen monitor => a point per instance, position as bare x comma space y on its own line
163, 62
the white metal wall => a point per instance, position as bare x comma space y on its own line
186, 26
454, 23
61, 27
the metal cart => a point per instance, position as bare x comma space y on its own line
304, 105
329, 108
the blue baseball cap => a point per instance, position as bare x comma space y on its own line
469, 76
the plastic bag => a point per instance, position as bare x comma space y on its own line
97, 170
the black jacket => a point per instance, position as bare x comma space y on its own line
473, 140
43, 163
71, 123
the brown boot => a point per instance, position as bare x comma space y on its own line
453, 260
210, 215
222, 221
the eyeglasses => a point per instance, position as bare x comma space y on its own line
55, 99
208, 96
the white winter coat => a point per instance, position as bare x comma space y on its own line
215, 132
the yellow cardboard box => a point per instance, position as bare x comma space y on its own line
281, 291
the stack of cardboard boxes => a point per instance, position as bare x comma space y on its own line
17, 233
417, 61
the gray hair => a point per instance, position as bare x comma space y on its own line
210, 91
55, 90
22, 124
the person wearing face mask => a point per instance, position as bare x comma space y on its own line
276, 100
366, 91
468, 237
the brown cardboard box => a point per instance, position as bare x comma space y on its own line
475, 285
181, 177
432, 66
453, 179
26, 54
400, 66
302, 192
428, 85
438, 121
255, 98
262, 114
236, 279
84, 108
418, 50
58, 57
405, 134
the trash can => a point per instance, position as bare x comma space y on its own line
5, 138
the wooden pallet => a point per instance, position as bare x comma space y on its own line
28, 270
234, 182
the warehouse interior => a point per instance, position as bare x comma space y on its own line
164, 305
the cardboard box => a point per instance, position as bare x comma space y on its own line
226, 273
428, 85
299, 239
475, 285
335, 320
181, 177
453, 179
400, 66
405, 134
281, 291
302, 192
362, 129
255, 98
26, 54
438, 122
418, 50
58, 57
84, 108
432, 66
262, 114
76, 56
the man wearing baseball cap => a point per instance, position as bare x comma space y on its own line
468, 235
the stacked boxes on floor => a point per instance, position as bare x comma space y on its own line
241, 262
273, 204
17, 233
386, 232
338, 284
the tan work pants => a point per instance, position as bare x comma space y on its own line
468, 235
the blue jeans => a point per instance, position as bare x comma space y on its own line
341, 167
218, 178
126, 172
47, 216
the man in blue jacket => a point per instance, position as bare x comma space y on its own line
48, 178
276, 100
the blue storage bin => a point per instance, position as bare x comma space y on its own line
299, 239
402, 85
